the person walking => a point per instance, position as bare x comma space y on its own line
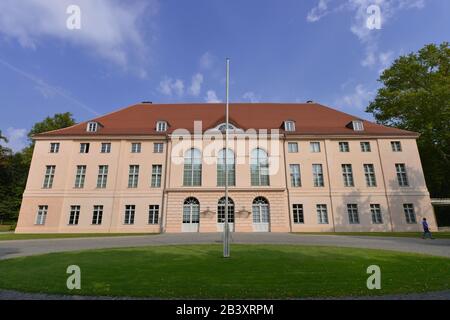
426, 229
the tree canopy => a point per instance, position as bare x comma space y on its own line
415, 95
14, 167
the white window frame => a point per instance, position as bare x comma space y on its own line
80, 176
161, 126
410, 214
294, 170
84, 147
41, 215
292, 147
92, 126
396, 146
74, 215
49, 176
353, 214
97, 215
129, 215
153, 214
105, 147
357, 125
314, 146
298, 213
375, 212
369, 173
156, 176
344, 146
402, 175
102, 178
347, 174
136, 147
318, 179
365, 146
54, 147
133, 176
158, 147
322, 213
289, 125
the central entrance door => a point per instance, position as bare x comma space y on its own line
221, 214
261, 215
191, 215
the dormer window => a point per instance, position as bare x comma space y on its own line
161, 126
289, 125
92, 126
357, 125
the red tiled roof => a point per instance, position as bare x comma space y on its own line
310, 119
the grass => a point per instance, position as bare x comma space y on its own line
5, 227
31, 236
437, 235
253, 271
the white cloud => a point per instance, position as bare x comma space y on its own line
17, 138
109, 28
196, 84
358, 99
207, 60
211, 97
318, 12
251, 96
369, 38
385, 59
169, 86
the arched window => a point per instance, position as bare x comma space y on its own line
191, 210
260, 210
221, 210
192, 168
259, 167
221, 168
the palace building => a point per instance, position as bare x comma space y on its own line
299, 167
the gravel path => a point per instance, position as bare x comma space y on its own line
18, 248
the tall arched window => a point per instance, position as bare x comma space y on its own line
221, 168
260, 210
192, 175
259, 168
191, 211
221, 210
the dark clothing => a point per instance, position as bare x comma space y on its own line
426, 230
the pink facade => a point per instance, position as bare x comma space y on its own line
69, 205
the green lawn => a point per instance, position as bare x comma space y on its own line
23, 236
437, 235
253, 271
5, 227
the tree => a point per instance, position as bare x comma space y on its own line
416, 96
14, 167
58, 121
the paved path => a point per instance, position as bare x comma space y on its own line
18, 248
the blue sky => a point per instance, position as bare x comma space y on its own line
174, 51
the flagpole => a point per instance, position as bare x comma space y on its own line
226, 231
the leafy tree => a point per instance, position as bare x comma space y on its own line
58, 121
416, 96
14, 167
